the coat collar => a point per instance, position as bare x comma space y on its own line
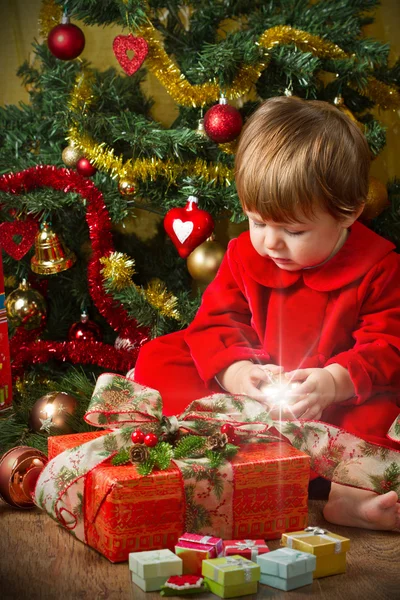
361, 251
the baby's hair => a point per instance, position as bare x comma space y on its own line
297, 155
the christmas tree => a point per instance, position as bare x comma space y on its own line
85, 288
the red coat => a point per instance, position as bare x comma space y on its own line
346, 311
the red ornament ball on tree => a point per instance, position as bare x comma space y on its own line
85, 168
137, 436
85, 330
223, 123
66, 41
151, 440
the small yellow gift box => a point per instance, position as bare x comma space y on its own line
231, 576
329, 549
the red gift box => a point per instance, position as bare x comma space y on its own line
5, 365
125, 512
193, 548
247, 548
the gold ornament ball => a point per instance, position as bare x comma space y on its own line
126, 187
51, 412
26, 307
19, 469
203, 263
70, 156
377, 199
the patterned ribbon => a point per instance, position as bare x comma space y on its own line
118, 402
315, 531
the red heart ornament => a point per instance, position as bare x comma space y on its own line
188, 227
27, 229
122, 44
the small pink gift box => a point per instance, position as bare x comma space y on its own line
247, 548
193, 549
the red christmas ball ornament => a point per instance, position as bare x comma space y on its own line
223, 122
151, 440
137, 437
85, 168
188, 227
85, 330
66, 41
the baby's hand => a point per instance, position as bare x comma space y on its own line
315, 393
245, 377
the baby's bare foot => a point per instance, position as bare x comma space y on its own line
360, 508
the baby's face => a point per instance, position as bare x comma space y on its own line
295, 246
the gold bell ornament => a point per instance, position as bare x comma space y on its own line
203, 263
26, 307
377, 200
51, 255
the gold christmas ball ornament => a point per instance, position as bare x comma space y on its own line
20, 468
70, 156
126, 187
377, 199
50, 413
26, 307
203, 263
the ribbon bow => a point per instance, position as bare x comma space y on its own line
316, 530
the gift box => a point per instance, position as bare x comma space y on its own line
286, 569
5, 365
150, 570
247, 548
329, 549
231, 576
125, 512
155, 563
193, 549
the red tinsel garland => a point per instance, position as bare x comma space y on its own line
86, 353
99, 224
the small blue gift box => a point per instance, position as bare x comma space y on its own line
286, 569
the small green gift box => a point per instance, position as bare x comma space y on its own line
155, 563
231, 576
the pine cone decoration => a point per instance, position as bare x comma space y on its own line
217, 441
139, 453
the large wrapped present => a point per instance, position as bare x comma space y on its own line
286, 569
329, 549
259, 493
126, 512
5, 365
231, 576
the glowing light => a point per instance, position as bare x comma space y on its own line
280, 393
49, 410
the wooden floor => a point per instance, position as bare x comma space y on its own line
40, 561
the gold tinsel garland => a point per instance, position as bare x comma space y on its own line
119, 269
49, 16
186, 94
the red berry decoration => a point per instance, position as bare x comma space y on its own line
85, 168
229, 430
223, 122
188, 227
151, 440
85, 330
66, 41
138, 436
